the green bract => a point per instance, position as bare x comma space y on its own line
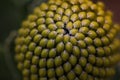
67, 40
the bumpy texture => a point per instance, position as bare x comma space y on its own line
67, 40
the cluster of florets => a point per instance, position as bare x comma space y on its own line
67, 40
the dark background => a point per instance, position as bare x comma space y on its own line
12, 12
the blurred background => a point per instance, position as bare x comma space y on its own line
12, 12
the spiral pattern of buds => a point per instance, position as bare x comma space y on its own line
67, 40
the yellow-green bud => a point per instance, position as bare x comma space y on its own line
67, 40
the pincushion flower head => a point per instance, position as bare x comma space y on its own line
67, 40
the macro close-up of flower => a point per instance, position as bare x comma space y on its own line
61, 40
